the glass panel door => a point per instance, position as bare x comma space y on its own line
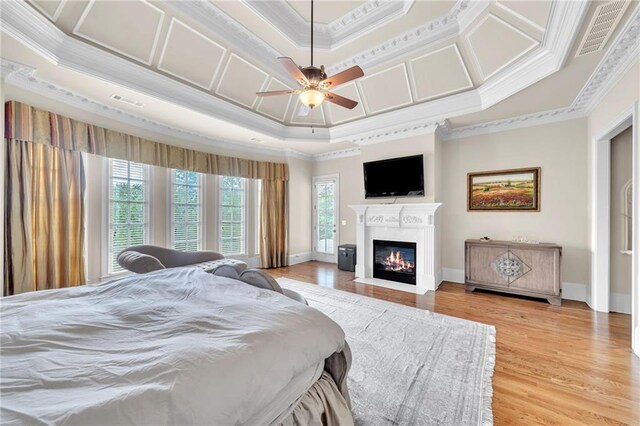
325, 210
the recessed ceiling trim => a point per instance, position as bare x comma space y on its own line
85, 13
56, 13
519, 16
356, 23
22, 22
224, 72
236, 36
450, 25
368, 109
534, 43
412, 76
208, 40
358, 98
268, 87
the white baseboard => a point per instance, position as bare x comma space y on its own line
296, 258
453, 275
619, 302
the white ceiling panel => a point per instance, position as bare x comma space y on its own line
495, 44
197, 64
535, 12
50, 8
386, 89
275, 106
128, 27
240, 81
338, 114
439, 73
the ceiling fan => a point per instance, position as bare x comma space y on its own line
315, 83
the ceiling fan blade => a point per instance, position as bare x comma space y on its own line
293, 69
342, 77
277, 92
339, 100
303, 111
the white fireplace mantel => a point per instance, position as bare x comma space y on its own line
415, 223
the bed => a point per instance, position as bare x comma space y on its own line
176, 346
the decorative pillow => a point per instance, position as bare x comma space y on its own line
138, 262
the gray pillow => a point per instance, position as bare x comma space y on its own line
138, 262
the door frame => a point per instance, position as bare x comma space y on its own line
598, 298
322, 257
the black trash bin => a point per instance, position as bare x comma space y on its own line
347, 257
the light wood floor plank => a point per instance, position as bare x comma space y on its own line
562, 365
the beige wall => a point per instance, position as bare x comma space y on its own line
621, 173
300, 172
352, 179
560, 150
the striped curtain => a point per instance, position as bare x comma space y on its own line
44, 217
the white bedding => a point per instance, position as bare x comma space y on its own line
178, 346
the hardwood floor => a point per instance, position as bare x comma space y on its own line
562, 365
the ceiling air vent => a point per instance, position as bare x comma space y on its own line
127, 101
604, 21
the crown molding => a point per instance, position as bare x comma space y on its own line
232, 33
25, 24
450, 25
25, 77
522, 121
342, 153
617, 61
354, 24
623, 54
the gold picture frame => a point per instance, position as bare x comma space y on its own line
504, 190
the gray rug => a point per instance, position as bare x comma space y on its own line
410, 366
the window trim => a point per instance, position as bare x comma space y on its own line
171, 216
106, 227
244, 223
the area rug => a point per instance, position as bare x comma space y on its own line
410, 366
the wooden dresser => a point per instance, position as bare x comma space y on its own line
517, 268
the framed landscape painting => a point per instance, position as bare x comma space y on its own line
504, 190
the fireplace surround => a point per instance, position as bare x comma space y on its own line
414, 223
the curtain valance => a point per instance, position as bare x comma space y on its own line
26, 123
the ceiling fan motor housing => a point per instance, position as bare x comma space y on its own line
314, 75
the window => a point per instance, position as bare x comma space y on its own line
186, 210
232, 215
128, 208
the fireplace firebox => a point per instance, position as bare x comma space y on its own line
394, 261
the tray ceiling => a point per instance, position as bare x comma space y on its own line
418, 56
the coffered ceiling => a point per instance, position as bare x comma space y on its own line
463, 61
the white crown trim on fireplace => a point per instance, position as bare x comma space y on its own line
414, 223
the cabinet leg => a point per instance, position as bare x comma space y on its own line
469, 288
555, 301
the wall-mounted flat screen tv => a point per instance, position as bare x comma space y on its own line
395, 177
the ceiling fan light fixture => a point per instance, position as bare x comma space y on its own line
311, 98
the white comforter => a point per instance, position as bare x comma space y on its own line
172, 347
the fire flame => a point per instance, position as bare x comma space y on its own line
396, 262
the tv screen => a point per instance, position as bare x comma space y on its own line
395, 177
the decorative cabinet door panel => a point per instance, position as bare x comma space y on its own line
539, 270
481, 266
